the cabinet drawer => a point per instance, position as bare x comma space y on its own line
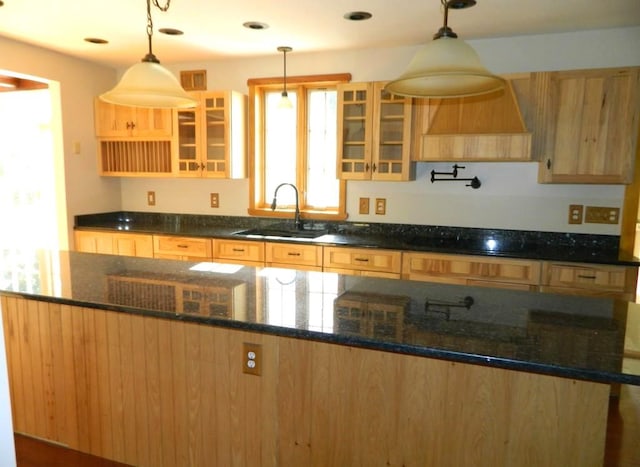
362, 259
125, 244
461, 269
293, 254
590, 279
238, 251
187, 247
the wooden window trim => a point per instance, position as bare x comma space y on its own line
257, 205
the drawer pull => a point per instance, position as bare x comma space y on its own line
182, 246
238, 250
362, 259
293, 254
584, 276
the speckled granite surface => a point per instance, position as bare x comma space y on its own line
602, 249
575, 337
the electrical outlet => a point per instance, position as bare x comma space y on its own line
381, 206
575, 213
363, 206
252, 359
151, 198
601, 215
215, 200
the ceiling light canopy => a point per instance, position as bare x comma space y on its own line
446, 67
148, 84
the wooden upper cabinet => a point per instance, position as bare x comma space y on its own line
374, 133
211, 138
590, 122
478, 128
120, 121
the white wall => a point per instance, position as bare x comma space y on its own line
510, 196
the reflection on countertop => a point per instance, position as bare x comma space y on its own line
571, 336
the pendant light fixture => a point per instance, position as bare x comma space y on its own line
285, 102
147, 83
446, 66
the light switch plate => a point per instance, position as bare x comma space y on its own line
363, 206
601, 215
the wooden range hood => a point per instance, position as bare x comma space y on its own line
478, 128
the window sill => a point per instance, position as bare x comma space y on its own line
304, 214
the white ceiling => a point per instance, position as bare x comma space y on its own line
213, 28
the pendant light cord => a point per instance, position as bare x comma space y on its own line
284, 93
150, 57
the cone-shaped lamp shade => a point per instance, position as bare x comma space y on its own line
148, 84
445, 67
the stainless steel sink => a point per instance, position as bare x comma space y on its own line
269, 232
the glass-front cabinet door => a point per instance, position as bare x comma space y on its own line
355, 118
215, 135
391, 136
187, 145
211, 138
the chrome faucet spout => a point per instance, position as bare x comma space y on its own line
297, 221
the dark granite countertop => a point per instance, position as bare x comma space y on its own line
566, 336
554, 246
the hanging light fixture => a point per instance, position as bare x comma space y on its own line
147, 83
446, 66
285, 102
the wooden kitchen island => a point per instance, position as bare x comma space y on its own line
142, 361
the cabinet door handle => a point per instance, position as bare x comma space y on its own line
361, 259
584, 276
548, 164
366, 167
293, 254
373, 168
130, 125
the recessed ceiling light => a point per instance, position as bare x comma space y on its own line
95, 40
171, 31
357, 15
255, 25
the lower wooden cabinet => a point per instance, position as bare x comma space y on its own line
306, 257
109, 243
181, 248
600, 280
239, 252
371, 262
517, 274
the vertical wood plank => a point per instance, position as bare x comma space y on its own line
180, 393
11, 325
70, 386
141, 394
117, 417
128, 419
194, 394
168, 420
154, 411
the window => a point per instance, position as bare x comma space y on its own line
296, 146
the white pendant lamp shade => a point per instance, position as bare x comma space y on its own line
149, 84
445, 67
285, 102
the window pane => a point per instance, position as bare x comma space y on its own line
322, 185
280, 147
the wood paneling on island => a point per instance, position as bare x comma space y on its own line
158, 392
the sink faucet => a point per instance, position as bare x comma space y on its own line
297, 222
